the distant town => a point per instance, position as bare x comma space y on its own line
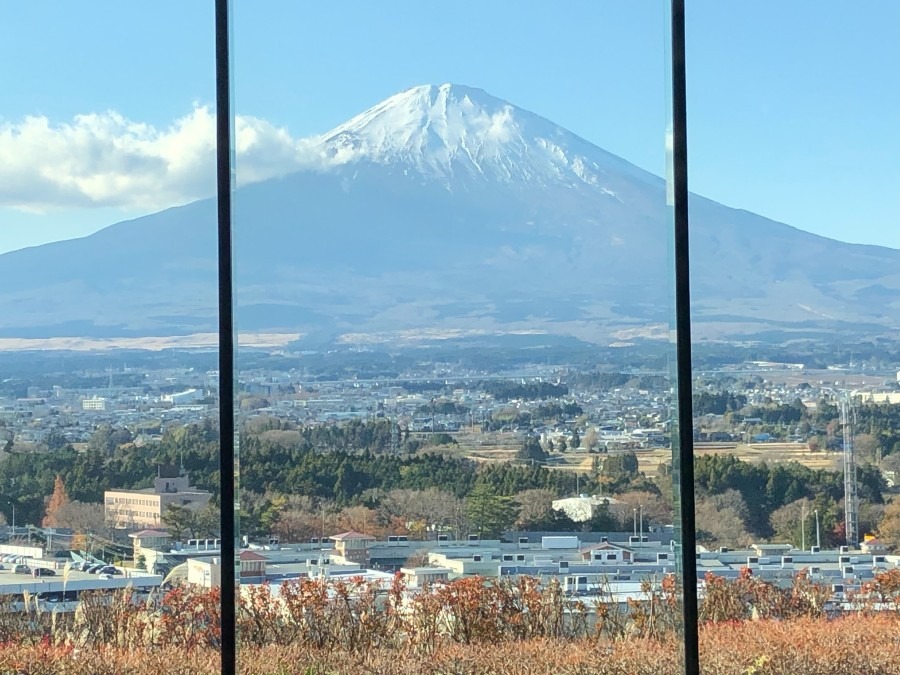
440, 471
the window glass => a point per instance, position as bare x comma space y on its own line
454, 283
108, 361
793, 146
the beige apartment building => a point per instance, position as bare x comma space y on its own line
142, 509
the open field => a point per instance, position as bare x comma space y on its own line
194, 341
502, 447
838, 378
489, 447
776, 453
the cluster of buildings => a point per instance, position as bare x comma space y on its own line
153, 399
595, 567
619, 418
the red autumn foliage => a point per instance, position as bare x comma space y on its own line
469, 627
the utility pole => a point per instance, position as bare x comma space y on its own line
818, 540
634, 511
803, 527
641, 521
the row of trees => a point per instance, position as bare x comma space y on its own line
722, 518
737, 501
765, 488
422, 514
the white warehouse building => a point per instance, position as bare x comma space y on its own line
184, 397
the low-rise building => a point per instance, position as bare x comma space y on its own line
184, 397
417, 577
152, 539
143, 509
353, 547
95, 404
582, 508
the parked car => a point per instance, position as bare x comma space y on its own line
43, 572
93, 569
112, 571
22, 569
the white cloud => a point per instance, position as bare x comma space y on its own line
502, 126
104, 159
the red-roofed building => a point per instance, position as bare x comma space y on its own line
252, 564
605, 552
873, 546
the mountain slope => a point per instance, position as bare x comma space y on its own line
444, 207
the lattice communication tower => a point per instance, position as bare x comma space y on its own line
851, 498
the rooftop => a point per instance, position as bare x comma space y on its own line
352, 536
149, 533
252, 555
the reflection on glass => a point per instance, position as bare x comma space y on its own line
109, 491
454, 303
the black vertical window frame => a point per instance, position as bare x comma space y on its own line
683, 343
226, 338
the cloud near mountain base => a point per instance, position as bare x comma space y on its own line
107, 160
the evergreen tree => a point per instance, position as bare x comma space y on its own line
179, 520
532, 451
489, 513
603, 520
346, 484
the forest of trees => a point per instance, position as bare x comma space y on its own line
717, 403
756, 492
295, 480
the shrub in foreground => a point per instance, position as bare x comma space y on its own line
471, 626
853, 645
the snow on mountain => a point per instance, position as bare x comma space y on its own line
446, 208
450, 131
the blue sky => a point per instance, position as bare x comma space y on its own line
794, 108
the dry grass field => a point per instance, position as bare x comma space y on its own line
772, 453
487, 447
502, 447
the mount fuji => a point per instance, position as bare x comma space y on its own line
443, 208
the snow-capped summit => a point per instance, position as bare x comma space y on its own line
452, 131
446, 211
